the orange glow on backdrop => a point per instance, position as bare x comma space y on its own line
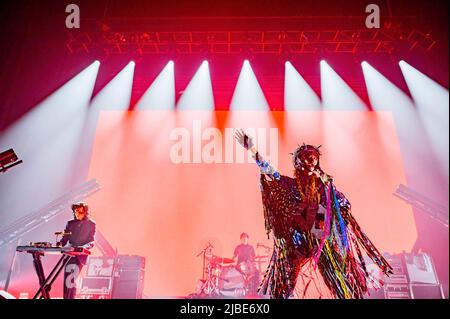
167, 212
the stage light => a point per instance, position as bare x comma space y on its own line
161, 93
383, 94
47, 139
8, 159
413, 137
432, 104
117, 93
248, 94
297, 93
336, 94
198, 93
60, 108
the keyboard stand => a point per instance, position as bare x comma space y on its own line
45, 284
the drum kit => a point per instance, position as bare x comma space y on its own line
223, 278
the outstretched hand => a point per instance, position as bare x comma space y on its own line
245, 140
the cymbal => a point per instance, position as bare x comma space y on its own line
260, 257
221, 260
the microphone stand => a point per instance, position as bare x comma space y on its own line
203, 252
208, 284
13, 260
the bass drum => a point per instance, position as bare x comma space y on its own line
247, 267
231, 282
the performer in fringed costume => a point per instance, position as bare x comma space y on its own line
310, 219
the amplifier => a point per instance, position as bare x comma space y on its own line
130, 261
127, 289
96, 286
424, 291
128, 284
128, 277
414, 277
421, 269
129, 274
397, 291
400, 274
409, 291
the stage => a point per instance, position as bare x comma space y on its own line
131, 110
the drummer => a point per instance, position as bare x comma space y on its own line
244, 252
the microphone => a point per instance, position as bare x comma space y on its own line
61, 233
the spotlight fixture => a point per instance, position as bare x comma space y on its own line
8, 159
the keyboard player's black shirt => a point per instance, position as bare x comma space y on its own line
82, 233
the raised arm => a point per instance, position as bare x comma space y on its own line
247, 142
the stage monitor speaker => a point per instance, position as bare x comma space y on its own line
6, 295
421, 269
423, 291
397, 291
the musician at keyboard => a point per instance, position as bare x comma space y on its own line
79, 232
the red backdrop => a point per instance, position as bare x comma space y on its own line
167, 212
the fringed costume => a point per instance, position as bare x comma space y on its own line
310, 219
